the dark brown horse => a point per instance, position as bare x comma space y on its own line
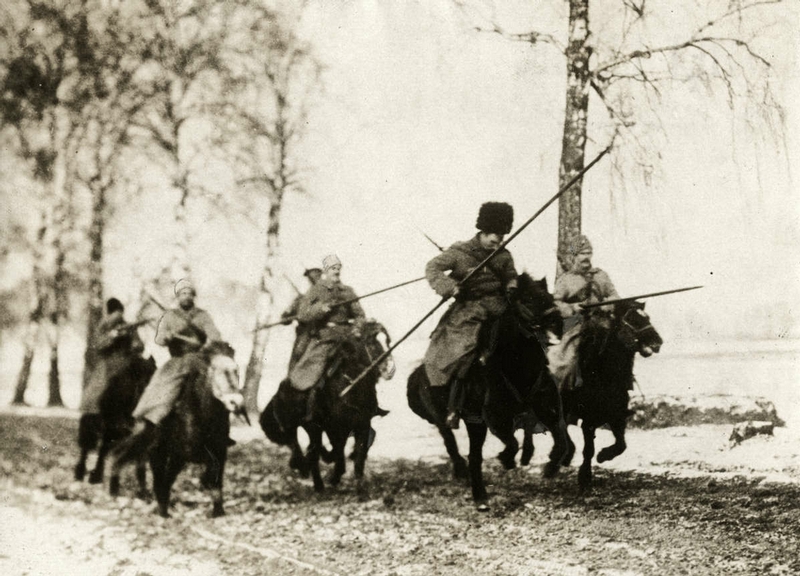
114, 421
195, 431
338, 417
606, 353
514, 381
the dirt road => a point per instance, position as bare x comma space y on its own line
414, 520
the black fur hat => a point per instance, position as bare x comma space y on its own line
114, 305
495, 218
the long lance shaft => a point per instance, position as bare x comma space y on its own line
342, 303
479, 267
641, 296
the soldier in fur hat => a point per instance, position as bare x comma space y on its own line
454, 342
581, 284
116, 344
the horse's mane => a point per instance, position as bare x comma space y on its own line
526, 282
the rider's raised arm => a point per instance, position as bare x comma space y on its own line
435, 270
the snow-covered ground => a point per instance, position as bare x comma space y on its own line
685, 368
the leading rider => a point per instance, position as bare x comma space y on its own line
483, 298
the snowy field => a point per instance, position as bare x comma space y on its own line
770, 369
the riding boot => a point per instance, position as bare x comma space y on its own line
455, 404
381, 412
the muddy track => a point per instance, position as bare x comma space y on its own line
415, 519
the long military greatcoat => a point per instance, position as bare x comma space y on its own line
161, 393
571, 289
454, 341
115, 352
326, 329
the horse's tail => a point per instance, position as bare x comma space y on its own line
419, 395
280, 418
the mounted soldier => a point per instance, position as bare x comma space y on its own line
116, 343
581, 284
329, 325
303, 329
454, 342
184, 330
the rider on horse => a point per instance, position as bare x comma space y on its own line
329, 325
302, 332
116, 343
184, 331
454, 342
581, 284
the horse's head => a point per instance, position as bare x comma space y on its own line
365, 345
635, 330
223, 377
376, 340
535, 306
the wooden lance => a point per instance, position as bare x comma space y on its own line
479, 267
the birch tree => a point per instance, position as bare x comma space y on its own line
630, 65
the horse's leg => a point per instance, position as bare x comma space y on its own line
297, 461
338, 441
503, 428
570, 448
106, 441
85, 438
435, 409
527, 445
585, 471
619, 446
312, 455
216, 467
131, 448
460, 468
141, 477
477, 436
548, 409
360, 451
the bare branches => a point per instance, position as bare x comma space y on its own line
531, 37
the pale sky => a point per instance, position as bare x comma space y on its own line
423, 120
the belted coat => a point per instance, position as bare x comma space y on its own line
454, 342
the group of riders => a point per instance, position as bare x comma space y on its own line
329, 312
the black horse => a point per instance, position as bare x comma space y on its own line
195, 431
114, 421
606, 353
337, 416
514, 381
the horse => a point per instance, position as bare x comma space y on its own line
113, 422
195, 431
337, 416
605, 358
514, 381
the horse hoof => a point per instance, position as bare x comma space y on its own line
217, 511
550, 470
508, 462
584, 478
80, 472
143, 494
95, 477
460, 470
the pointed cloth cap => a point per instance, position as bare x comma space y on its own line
581, 244
182, 284
330, 261
495, 218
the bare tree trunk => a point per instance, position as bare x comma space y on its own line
54, 376
27, 360
57, 315
264, 312
573, 145
95, 312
